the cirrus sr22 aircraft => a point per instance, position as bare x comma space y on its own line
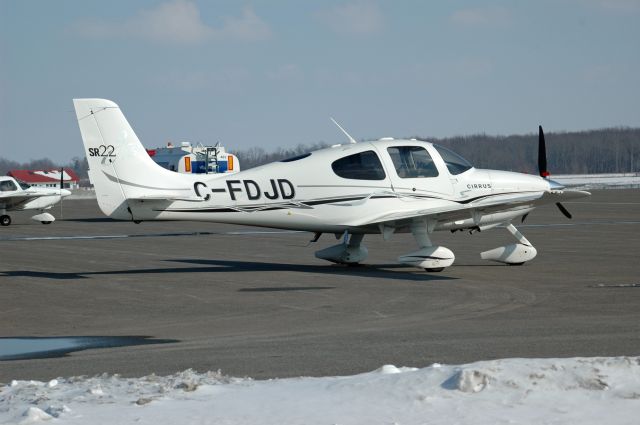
351, 190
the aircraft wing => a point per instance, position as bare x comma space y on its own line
14, 199
25, 195
445, 211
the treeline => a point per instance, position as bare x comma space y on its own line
253, 157
609, 150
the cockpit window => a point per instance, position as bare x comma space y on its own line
7, 186
360, 166
412, 162
455, 163
24, 186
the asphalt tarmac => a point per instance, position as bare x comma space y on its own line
250, 302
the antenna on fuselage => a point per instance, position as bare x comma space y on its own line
351, 139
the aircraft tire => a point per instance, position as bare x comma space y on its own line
5, 220
516, 264
435, 270
46, 222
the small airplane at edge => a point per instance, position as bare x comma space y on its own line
16, 196
351, 190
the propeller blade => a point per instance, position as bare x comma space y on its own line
542, 154
563, 210
61, 187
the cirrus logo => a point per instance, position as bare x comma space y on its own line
479, 186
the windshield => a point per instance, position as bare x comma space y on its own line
7, 186
455, 163
24, 186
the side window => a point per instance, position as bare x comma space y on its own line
412, 162
360, 166
7, 186
455, 163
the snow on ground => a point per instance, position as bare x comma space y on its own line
509, 391
599, 181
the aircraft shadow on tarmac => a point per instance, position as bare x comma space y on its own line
286, 288
227, 266
29, 347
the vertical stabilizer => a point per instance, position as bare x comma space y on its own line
119, 166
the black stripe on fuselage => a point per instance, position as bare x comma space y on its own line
272, 207
309, 204
465, 201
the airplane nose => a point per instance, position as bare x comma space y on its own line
65, 192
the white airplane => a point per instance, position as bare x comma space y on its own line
16, 196
376, 187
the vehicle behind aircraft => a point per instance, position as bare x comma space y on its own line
198, 159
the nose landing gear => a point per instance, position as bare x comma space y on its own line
514, 254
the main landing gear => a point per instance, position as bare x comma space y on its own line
349, 252
432, 258
43, 217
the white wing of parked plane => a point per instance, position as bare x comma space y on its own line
18, 196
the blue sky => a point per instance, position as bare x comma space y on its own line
271, 73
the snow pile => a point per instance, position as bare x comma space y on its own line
523, 391
599, 181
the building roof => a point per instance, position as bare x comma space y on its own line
43, 176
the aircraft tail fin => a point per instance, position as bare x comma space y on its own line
119, 166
